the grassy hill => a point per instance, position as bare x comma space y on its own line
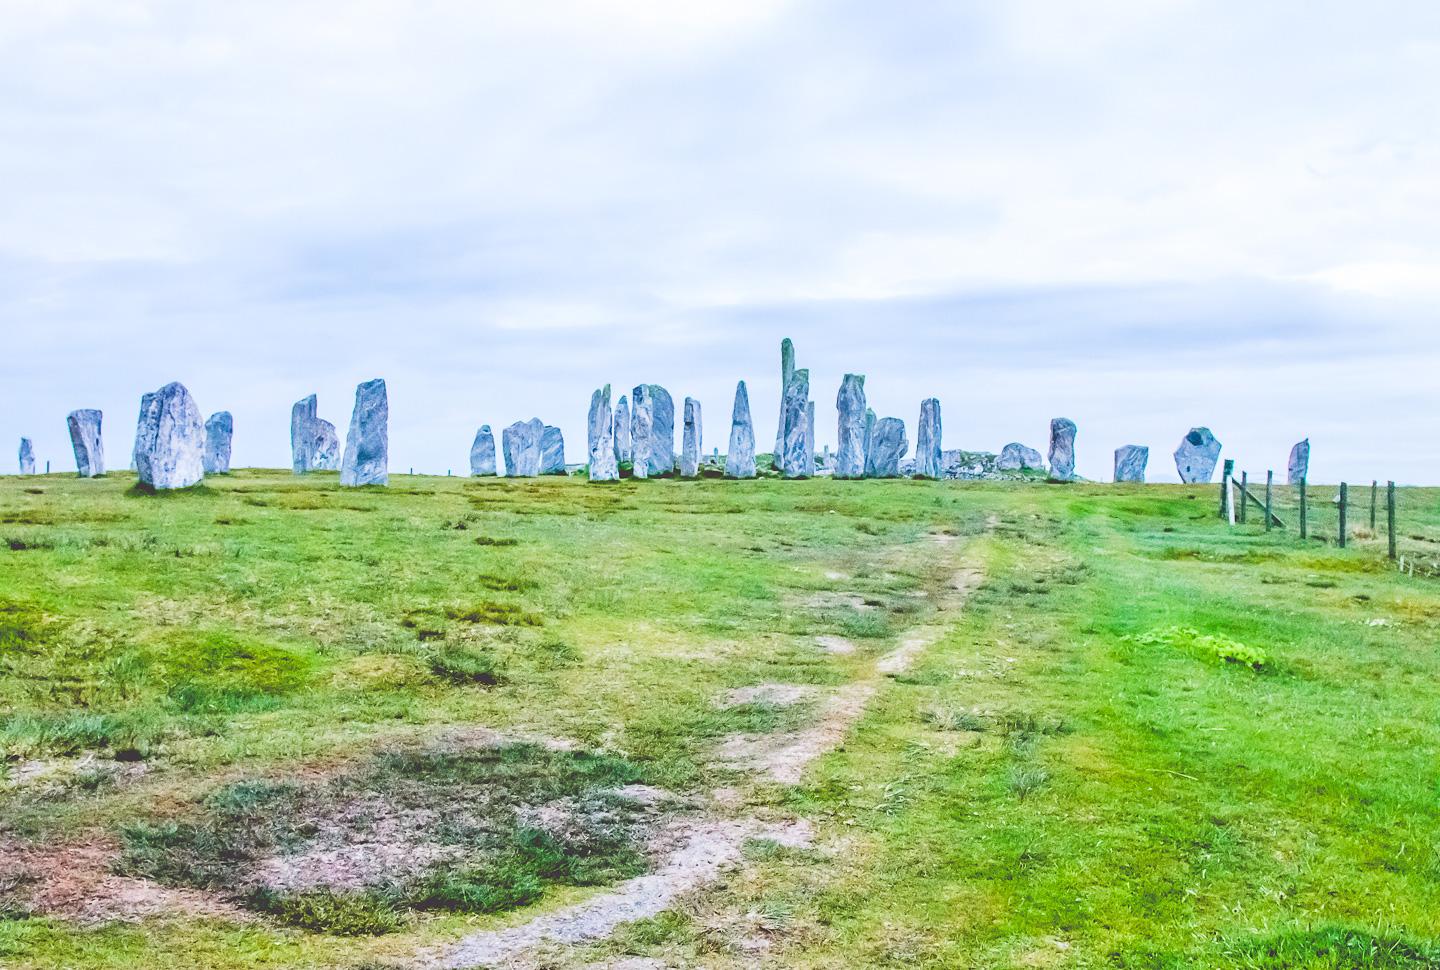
271, 722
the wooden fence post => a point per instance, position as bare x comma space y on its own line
1374, 497
1244, 495
1304, 513
1269, 498
1225, 512
1390, 515
1344, 503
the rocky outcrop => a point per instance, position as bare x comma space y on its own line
853, 427
1016, 457
787, 370
1062, 450
600, 437
482, 453
740, 460
85, 439
1196, 457
169, 440
796, 461
888, 445
27, 457
690, 442
624, 450
927, 440
219, 433
367, 445
1130, 462
1299, 467
521, 446
552, 451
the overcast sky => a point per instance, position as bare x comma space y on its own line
1140, 215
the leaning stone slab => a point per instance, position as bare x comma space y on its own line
927, 440
85, 439
795, 461
1299, 467
27, 457
552, 451
740, 459
853, 427
1196, 457
690, 442
1062, 450
482, 452
600, 438
219, 434
521, 445
169, 440
787, 370
367, 445
1130, 462
888, 445
624, 449
1016, 457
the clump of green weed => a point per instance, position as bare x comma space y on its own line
489, 611
951, 719
328, 911
1211, 645
496, 541
503, 584
126, 735
463, 665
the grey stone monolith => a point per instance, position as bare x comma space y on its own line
642, 430
1298, 469
852, 427
27, 456
314, 443
1196, 457
888, 445
482, 453
1130, 462
624, 449
740, 459
86, 440
787, 370
552, 451
600, 438
521, 446
662, 431
1016, 457
169, 439
367, 444
219, 434
690, 440
795, 461
927, 440
1062, 450
810, 436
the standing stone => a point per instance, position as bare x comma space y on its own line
887, 447
600, 431
521, 445
662, 435
27, 457
1299, 468
219, 433
482, 452
314, 445
552, 450
690, 445
740, 459
787, 371
624, 450
927, 440
1016, 457
327, 447
795, 462
1062, 450
1196, 457
169, 439
810, 437
367, 445
1130, 462
642, 430
85, 439
853, 427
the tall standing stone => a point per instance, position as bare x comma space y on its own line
521, 445
795, 463
600, 432
662, 434
1196, 457
1299, 467
27, 457
1062, 450
887, 447
853, 427
1130, 462
85, 439
624, 450
740, 459
482, 452
927, 440
367, 445
169, 439
690, 443
787, 371
219, 434
552, 451
314, 445
642, 430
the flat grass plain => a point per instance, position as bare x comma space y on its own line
271, 722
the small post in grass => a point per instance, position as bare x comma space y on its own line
1390, 515
1344, 508
1244, 495
1269, 498
1304, 513
1374, 497
1227, 510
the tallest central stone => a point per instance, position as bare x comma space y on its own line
787, 370
850, 458
367, 446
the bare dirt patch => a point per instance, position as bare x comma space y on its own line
779, 695
836, 645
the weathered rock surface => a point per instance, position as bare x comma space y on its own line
314, 444
1299, 467
219, 434
521, 445
1062, 450
642, 429
740, 459
853, 427
1196, 457
887, 448
1016, 457
367, 445
927, 440
27, 456
169, 439
600, 436
85, 439
690, 441
796, 461
810, 437
1130, 462
787, 370
624, 450
662, 431
482, 452
552, 451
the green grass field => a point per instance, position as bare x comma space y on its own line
272, 722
